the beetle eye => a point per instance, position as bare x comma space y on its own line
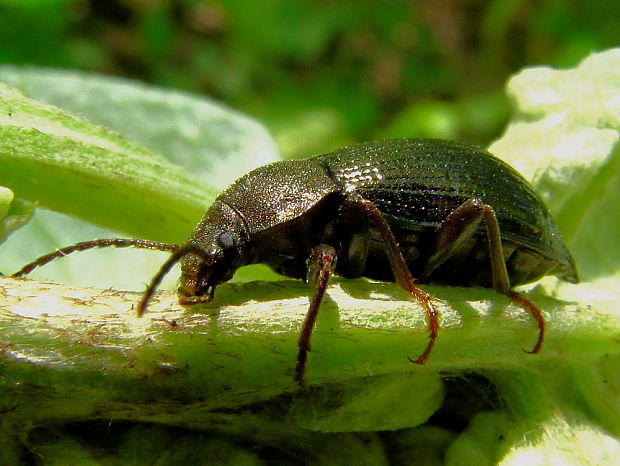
227, 240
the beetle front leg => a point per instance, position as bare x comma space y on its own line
321, 264
402, 275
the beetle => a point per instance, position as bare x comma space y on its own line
390, 210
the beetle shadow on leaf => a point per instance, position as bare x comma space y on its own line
237, 293
454, 300
241, 293
361, 288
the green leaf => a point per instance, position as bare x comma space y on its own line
160, 201
69, 165
13, 214
564, 138
197, 133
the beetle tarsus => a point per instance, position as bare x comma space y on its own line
433, 329
528, 305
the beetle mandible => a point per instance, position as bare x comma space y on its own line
389, 210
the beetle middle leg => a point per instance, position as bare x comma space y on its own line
460, 226
321, 264
402, 275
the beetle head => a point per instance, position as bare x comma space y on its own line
202, 272
216, 249
196, 282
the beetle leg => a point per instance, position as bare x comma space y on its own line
456, 229
500, 279
459, 227
499, 274
402, 275
321, 264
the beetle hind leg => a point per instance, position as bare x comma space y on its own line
460, 226
500, 279
454, 232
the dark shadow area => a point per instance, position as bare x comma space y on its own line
466, 395
116, 441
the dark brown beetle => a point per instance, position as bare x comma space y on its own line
388, 210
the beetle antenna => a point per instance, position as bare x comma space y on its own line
97, 243
176, 256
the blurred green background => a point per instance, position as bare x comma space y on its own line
320, 74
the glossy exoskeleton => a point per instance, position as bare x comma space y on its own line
390, 210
